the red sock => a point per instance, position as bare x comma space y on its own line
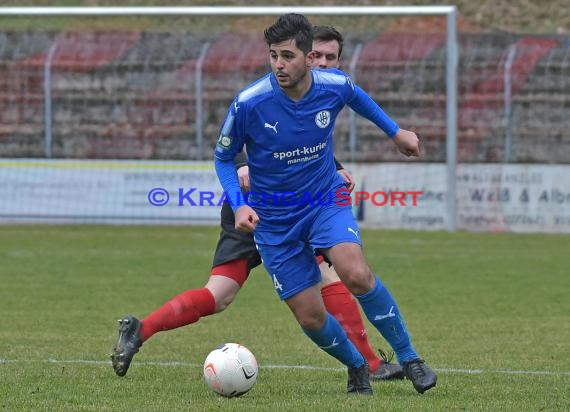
235, 269
182, 310
340, 303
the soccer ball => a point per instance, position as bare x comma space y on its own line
230, 370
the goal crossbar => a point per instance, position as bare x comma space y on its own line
226, 10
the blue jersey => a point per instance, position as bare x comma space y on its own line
289, 143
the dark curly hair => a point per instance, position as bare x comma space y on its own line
291, 26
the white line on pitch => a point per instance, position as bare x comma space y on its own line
308, 367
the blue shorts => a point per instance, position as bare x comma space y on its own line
288, 252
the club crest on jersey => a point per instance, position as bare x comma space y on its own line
224, 141
323, 118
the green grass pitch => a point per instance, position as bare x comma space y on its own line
490, 313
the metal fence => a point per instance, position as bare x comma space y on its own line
162, 94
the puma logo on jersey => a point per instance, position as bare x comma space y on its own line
353, 231
273, 127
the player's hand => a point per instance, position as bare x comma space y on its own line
407, 142
348, 179
243, 176
246, 219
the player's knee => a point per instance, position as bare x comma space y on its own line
328, 274
308, 316
223, 301
358, 279
224, 291
313, 321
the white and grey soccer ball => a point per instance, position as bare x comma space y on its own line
230, 370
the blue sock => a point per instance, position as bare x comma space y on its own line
332, 339
382, 311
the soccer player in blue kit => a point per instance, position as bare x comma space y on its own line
285, 120
236, 255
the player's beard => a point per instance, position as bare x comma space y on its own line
291, 82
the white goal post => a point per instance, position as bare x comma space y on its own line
449, 12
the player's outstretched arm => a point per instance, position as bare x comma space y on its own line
407, 142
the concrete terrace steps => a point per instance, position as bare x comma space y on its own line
115, 92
